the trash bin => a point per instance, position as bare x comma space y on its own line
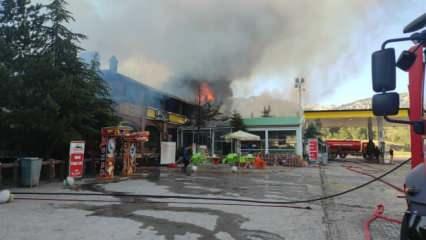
30, 171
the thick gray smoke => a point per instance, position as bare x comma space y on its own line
241, 41
253, 106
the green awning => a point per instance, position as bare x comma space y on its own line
272, 121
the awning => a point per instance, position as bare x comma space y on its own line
242, 136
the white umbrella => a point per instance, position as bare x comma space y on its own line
242, 136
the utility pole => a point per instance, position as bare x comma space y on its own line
198, 120
299, 83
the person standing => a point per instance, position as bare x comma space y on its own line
391, 155
187, 155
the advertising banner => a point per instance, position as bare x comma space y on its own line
76, 159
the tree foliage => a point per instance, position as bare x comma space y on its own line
312, 131
205, 113
48, 95
237, 122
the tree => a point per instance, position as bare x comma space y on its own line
55, 96
203, 114
237, 122
206, 113
312, 131
21, 41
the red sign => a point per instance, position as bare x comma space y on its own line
313, 149
76, 160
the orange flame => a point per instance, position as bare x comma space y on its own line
206, 94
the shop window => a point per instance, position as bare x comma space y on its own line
221, 147
282, 141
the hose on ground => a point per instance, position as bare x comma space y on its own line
153, 196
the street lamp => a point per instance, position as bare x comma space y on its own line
299, 82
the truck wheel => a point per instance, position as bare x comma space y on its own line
343, 155
332, 156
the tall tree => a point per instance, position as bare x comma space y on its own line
237, 122
21, 40
205, 113
56, 97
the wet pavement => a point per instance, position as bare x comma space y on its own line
149, 218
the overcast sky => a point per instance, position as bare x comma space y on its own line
257, 45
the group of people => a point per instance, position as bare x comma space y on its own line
374, 151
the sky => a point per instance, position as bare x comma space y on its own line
258, 46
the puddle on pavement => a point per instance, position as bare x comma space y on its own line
226, 222
230, 223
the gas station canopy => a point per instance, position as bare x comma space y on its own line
349, 118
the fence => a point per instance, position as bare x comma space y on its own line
51, 169
283, 159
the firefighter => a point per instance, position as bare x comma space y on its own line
377, 153
391, 155
371, 147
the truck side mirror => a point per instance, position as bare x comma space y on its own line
406, 60
386, 104
384, 70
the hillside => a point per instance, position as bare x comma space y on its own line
366, 103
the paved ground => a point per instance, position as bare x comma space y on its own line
339, 218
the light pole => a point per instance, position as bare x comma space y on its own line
299, 83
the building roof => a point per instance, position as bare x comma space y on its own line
272, 121
112, 76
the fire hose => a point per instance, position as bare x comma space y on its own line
163, 202
377, 214
380, 209
353, 169
152, 196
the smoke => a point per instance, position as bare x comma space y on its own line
239, 42
253, 106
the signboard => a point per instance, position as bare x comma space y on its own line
168, 152
313, 149
177, 118
151, 113
76, 159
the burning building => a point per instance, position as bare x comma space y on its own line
198, 116
278, 135
145, 108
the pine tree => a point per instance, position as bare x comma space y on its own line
312, 131
81, 94
206, 113
50, 95
237, 122
20, 41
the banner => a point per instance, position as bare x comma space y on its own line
313, 149
76, 159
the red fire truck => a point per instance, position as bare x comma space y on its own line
386, 103
343, 148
